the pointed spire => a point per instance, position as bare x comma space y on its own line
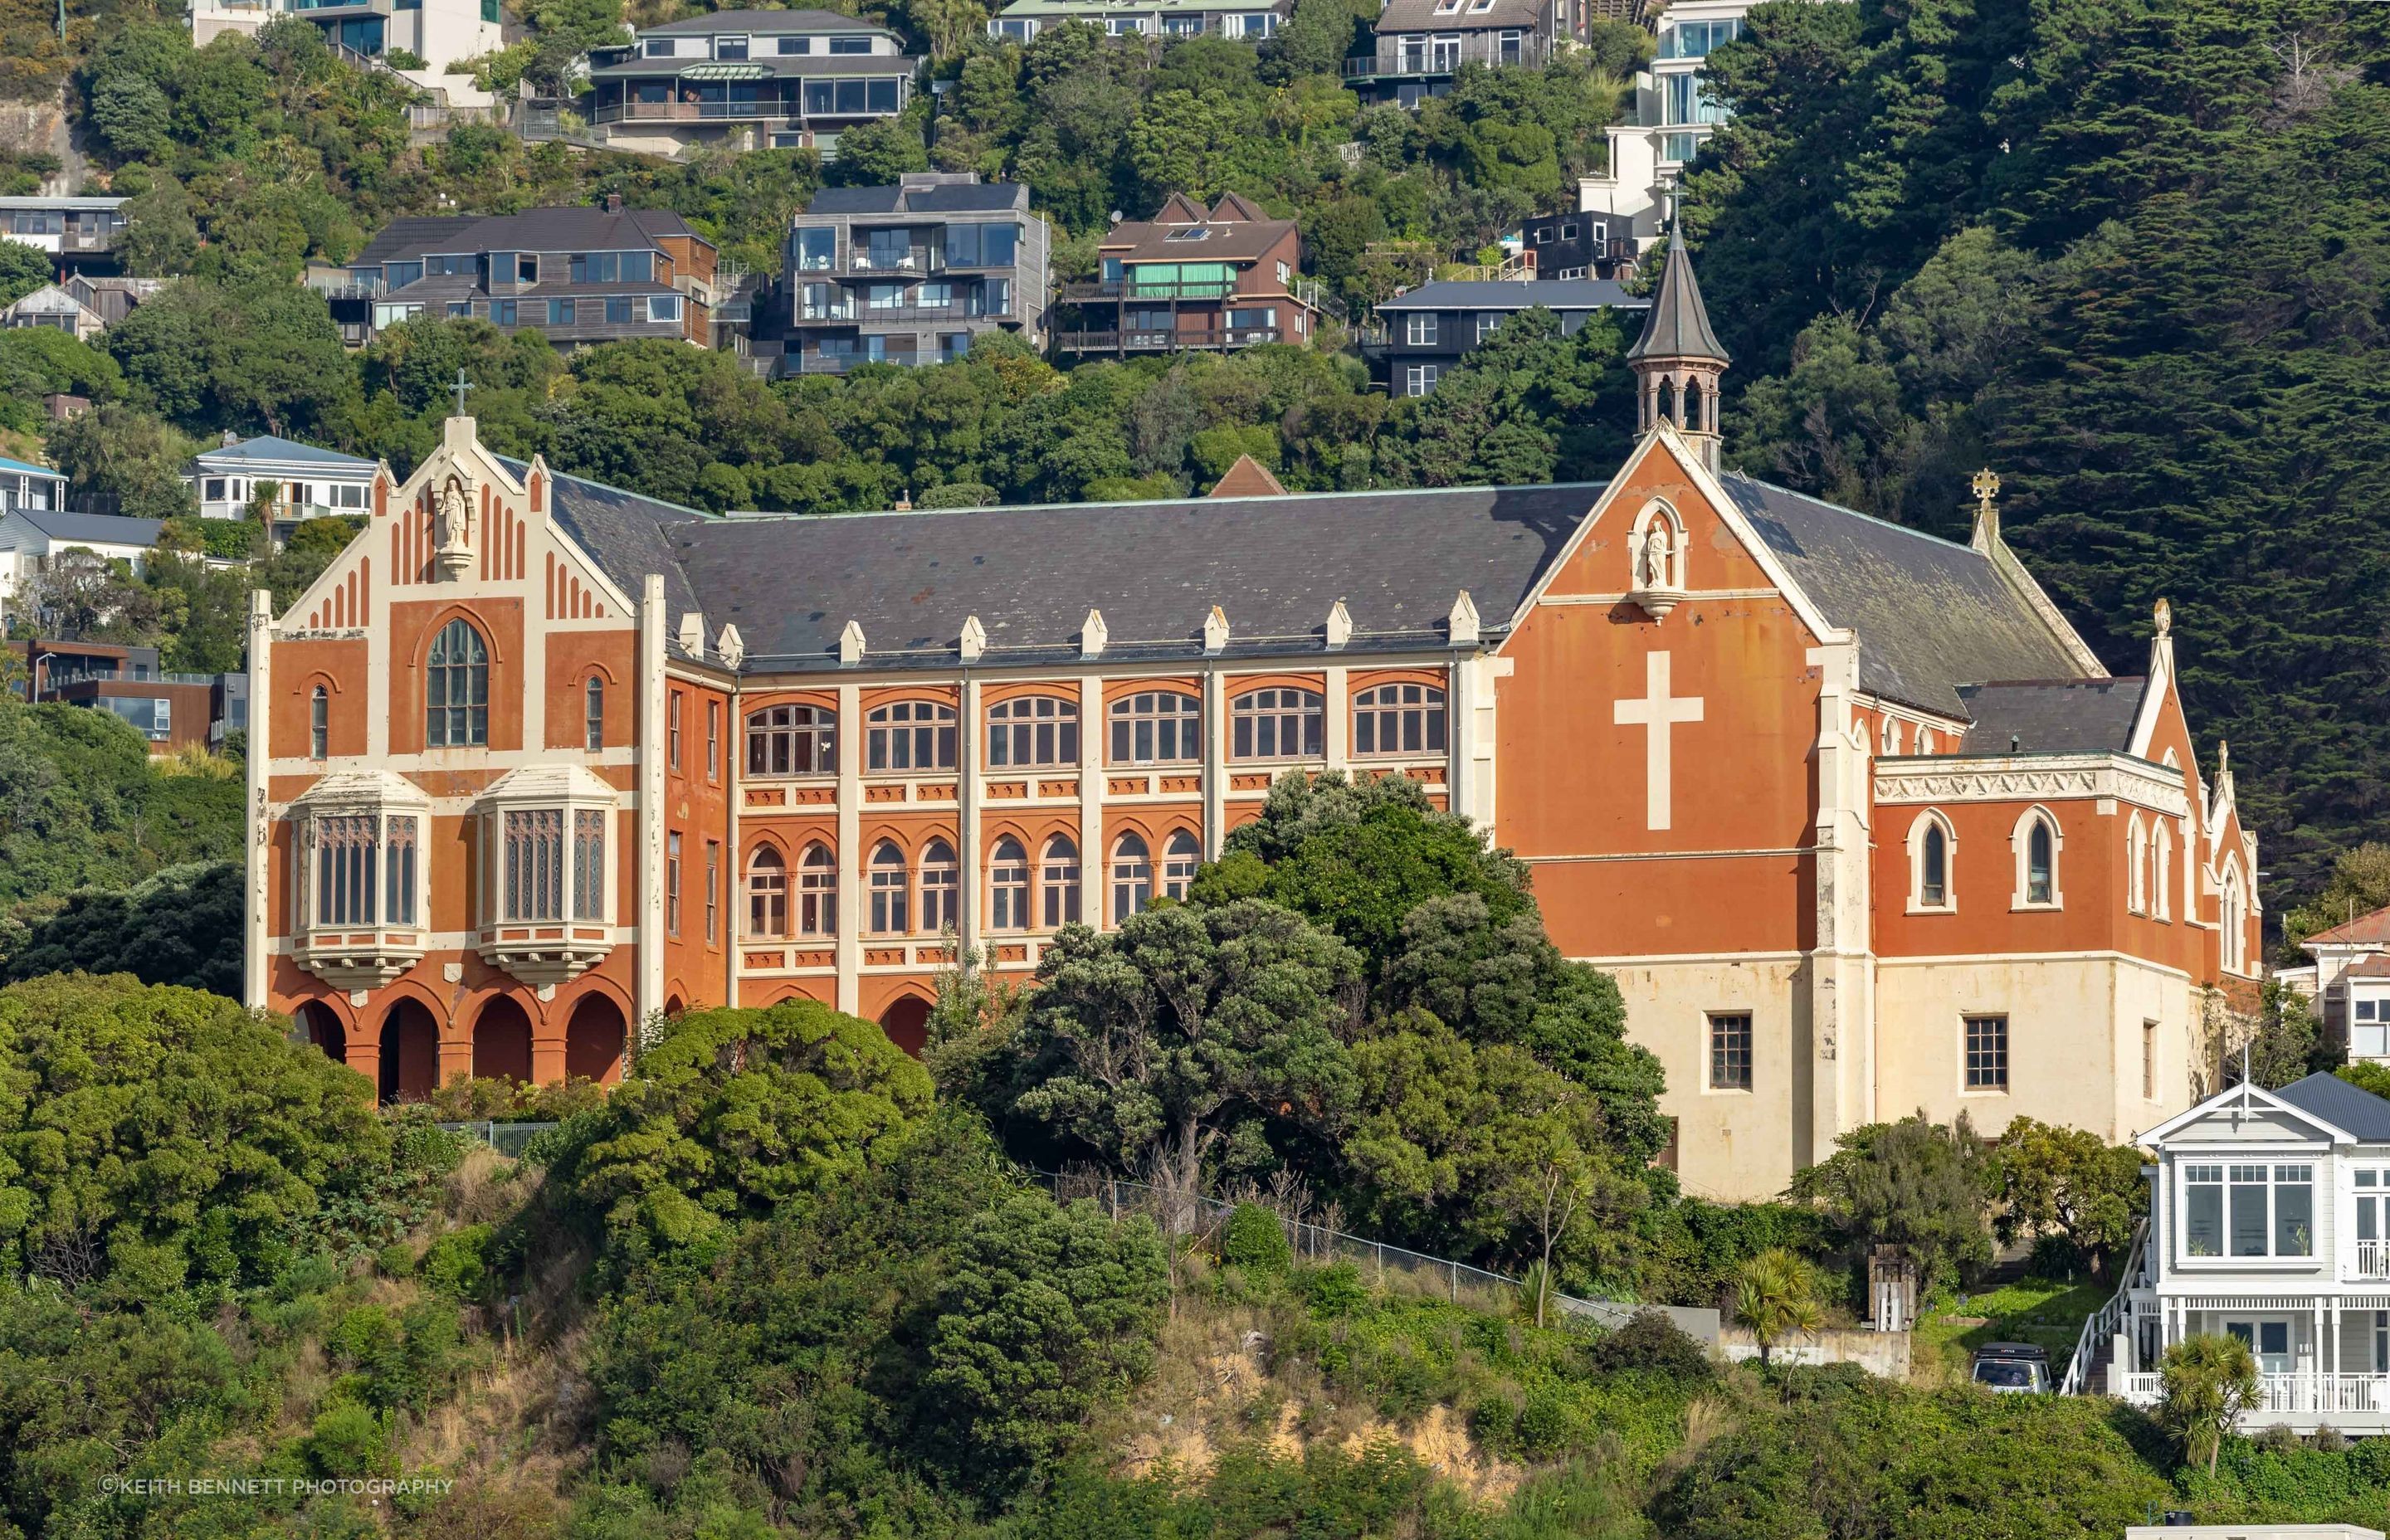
851, 644
1677, 325
974, 639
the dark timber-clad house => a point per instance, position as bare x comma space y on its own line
749, 80
576, 276
1421, 43
1436, 325
911, 274
1192, 279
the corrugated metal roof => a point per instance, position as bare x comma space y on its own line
766, 22
1496, 294
2337, 1102
2371, 930
267, 447
100, 529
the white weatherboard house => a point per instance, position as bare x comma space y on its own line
2270, 1222
305, 481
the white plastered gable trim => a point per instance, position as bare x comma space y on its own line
463, 453
1665, 440
2243, 1097
336, 572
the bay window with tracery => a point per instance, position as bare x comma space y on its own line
359, 895
546, 832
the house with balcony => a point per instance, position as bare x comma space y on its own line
78, 233
439, 32
1421, 44
2269, 1221
1191, 279
576, 275
911, 274
32, 537
749, 80
1425, 333
1161, 19
1673, 116
30, 486
297, 482
2347, 984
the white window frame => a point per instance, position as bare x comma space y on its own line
1933, 818
1420, 328
2020, 846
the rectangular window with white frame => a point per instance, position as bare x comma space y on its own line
2248, 1210
1987, 1053
1418, 328
1730, 1050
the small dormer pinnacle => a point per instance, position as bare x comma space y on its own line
850, 643
1340, 625
730, 647
1215, 630
1461, 624
1093, 635
974, 639
692, 634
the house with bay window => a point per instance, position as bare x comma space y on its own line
2270, 1222
1192, 278
749, 80
911, 274
1421, 44
2349, 984
573, 274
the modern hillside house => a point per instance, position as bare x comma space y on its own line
911, 274
1435, 325
33, 537
299, 481
2269, 1221
573, 274
78, 233
1421, 43
749, 80
438, 32
1023, 19
1191, 279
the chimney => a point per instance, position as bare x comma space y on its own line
613, 203
231, 437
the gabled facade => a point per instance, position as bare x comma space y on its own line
2349, 983
52, 307
1192, 279
34, 533
2267, 1223
573, 274
749, 80
1769, 761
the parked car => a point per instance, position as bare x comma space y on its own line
2012, 1369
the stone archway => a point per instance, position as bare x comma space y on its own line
594, 1039
322, 1024
907, 1022
410, 1053
502, 1042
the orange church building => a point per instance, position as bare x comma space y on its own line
1855, 817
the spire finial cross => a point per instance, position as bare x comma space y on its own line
459, 389
1988, 486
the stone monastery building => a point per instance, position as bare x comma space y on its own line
1855, 818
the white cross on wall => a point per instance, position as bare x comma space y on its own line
1656, 714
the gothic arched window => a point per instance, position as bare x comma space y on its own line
457, 689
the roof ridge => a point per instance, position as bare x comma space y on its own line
763, 516
1856, 513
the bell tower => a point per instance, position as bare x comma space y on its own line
1677, 361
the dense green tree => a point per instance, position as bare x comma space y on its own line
81, 805
123, 454
1914, 1185
23, 268
181, 926
153, 1139
2070, 1187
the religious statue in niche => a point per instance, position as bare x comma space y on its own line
452, 527
1654, 576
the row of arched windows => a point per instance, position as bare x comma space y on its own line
2035, 844
921, 896
2149, 867
1160, 726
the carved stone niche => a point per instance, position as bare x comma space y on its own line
1655, 578
358, 882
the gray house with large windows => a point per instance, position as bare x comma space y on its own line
911, 274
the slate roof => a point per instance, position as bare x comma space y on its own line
1497, 294
766, 22
1677, 325
268, 447
1274, 565
2049, 716
2371, 930
2360, 1113
1420, 15
952, 198
623, 533
1931, 615
100, 529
